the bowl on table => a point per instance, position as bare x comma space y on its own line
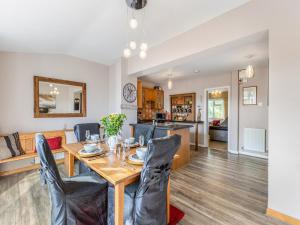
131, 140
141, 152
90, 147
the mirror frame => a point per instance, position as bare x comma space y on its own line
37, 114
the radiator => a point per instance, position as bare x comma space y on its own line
255, 139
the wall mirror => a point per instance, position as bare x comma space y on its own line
58, 98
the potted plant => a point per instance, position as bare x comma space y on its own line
112, 126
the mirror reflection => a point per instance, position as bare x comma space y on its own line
59, 98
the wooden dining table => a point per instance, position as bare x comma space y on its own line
111, 167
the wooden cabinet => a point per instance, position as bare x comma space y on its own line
159, 99
139, 94
183, 107
149, 96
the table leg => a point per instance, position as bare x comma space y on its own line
69, 164
168, 201
119, 203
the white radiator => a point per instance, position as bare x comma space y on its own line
255, 139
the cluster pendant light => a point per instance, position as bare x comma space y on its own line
54, 90
132, 45
216, 93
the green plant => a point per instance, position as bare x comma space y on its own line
113, 123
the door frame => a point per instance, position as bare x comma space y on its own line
206, 124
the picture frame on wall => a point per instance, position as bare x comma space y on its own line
250, 95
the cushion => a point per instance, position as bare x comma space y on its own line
216, 122
10, 146
54, 143
70, 137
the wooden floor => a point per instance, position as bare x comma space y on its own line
218, 145
220, 188
215, 188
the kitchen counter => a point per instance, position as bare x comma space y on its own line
172, 121
167, 126
175, 125
182, 156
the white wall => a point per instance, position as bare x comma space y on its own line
255, 116
16, 89
282, 20
118, 77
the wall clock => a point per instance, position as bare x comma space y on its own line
129, 92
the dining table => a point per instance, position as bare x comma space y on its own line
111, 166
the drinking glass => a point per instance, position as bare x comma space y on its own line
125, 149
87, 135
141, 140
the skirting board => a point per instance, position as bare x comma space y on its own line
283, 217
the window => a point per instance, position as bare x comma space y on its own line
216, 109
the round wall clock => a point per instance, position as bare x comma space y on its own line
129, 92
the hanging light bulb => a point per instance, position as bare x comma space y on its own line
249, 71
143, 54
133, 23
127, 52
170, 83
144, 46
132, 45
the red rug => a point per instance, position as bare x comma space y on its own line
175, 215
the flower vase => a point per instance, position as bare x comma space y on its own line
112, 142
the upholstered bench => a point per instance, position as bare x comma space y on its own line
27, 141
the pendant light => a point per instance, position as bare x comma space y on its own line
249, 72
133, 23
170, 83
136, 5
132, 45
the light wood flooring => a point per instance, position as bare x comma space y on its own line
220, 188
218, 145
215, 188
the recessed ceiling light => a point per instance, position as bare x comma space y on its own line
196, 70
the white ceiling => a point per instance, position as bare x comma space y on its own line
96, 29
226, 58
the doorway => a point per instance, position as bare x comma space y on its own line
217, 114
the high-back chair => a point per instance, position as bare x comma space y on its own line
76, 200
143, 130
80, 130
146, 201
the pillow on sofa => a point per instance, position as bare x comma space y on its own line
10, 146
54, 143
216, 122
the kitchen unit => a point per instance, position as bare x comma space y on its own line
149, 101
182, 156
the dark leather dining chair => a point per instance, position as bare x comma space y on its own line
145, 201
79, 200
79, 130
143, 130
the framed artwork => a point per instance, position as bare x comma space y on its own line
250, 95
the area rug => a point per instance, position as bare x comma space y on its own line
175, 215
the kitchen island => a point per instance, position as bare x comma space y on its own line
182, 156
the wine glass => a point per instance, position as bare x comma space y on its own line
141, 140
87, 135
